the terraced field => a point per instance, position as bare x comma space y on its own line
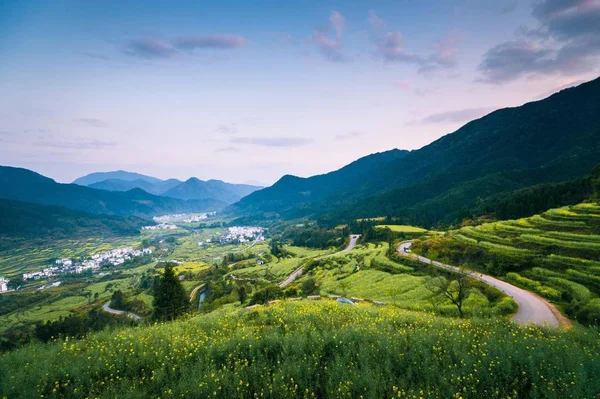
555, 254
30, 257
366, 272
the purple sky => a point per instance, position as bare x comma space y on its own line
252, 90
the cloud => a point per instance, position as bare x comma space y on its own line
461, 115
149, 49
92, 122
559, 88
331, 47
338, 22
375, 21
227, 149
273, 141
75, 144
405, 85
509, 6
202, 42
391, 49
227, 129
158, 49
566, 41
349, 135
95, 55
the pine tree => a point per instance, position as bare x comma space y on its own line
170, 299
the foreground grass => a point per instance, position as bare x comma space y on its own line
312, 349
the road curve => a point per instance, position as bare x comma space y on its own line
106, 307
298, 272
532, 309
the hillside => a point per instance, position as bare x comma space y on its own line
311, 349
550, 140
216, 189
555, 254
24, 221
291, 191
24, 185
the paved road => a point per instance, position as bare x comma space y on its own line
532, 309
106, 307
193, 294
298, 272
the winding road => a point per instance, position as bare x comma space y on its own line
298, 272
532, 309
106, 307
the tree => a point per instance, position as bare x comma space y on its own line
15, 283
116, 300
309, 286
596, 182
456, 290
242, 293
170, 300
274, 247
266, 294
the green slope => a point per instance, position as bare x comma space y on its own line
24, 221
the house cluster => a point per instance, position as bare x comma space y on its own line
239, 234
183, 217
115, 257
161, 226
3, 284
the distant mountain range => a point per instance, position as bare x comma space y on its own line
24, 185
552, 140
191, 189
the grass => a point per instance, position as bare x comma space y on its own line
311, 350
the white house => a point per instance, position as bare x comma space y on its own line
3, 284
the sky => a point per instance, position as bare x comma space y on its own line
248, 91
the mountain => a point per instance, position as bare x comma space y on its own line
291, 192
192, 189
550, 140
24, 185
24, 221
116, 175
156, 188
198, 189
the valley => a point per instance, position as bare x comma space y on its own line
468, 267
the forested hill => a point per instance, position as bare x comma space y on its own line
292, 191
25, 221
27, 186
546, 141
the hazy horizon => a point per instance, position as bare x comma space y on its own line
241, 91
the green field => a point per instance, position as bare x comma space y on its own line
401, 228
311, 349
555, 254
